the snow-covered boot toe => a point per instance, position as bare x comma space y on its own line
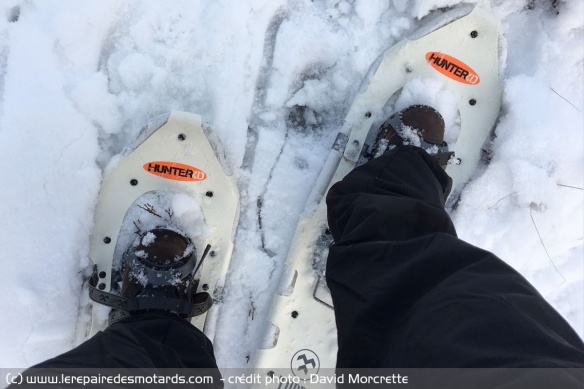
164, 259
418, 125
158, 276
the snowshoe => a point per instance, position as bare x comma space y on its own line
460, 51
175, 192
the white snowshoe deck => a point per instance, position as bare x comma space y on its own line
303, 330
176, 157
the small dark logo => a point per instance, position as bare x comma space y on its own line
304, 363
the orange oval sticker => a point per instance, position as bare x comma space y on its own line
175, 171
453, 68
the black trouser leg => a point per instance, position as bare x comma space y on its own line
408, 293
153, 340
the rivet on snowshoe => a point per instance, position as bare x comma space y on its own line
102, 274
205, 287
212, 253
182, 137
209, 194
368, 114
101, 286
107, 240
472, 102
474, 34
133, 182
294, 314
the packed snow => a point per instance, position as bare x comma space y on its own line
274, 79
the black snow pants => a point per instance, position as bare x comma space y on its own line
149, 340
408, 293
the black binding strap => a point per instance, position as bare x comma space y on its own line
198, 304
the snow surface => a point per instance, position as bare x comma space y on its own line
274, 78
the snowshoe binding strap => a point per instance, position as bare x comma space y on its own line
197, 304
158, 276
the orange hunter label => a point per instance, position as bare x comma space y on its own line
453, 68
175, 171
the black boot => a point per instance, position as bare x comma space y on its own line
423, 123
158, 276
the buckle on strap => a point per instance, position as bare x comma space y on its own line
197, 304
